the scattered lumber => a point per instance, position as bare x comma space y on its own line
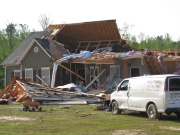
32, 94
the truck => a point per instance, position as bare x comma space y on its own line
153, 94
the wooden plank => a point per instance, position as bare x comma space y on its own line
78, 47
108, 44
41, 80
9, 87
95, 78
88, 46
71, 71
98, 45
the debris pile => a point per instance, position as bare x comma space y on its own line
32, 94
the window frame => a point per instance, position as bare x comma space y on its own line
92, 75
27, 70
48, 81
135, 68
124, 86
18, 71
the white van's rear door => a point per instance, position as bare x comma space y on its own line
172, 93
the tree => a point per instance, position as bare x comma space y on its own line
124, 31
133, 42
168, 42
10, 38
160, 43
22, 31
44, 21
10, 31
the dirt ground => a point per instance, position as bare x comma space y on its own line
11, 118
171, 128
139, 132
129, 132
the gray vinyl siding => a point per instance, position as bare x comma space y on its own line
10, 72
36, 61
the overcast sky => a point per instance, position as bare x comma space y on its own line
152, 17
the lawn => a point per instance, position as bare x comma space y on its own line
82, 120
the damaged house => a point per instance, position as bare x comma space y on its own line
92, 54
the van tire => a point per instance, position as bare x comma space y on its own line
152, 112
115, 108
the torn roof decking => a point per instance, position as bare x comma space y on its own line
105, 58
40, 92
79, 36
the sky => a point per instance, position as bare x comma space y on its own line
152, 17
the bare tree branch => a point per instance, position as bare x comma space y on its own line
44, 21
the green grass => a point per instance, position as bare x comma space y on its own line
82, 120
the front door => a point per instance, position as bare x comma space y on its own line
122, 94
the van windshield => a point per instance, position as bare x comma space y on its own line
174, 84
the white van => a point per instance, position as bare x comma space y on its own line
153, 94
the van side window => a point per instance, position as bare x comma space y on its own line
174, 84
124, 85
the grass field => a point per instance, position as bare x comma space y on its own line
82, 120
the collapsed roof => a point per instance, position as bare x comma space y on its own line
86, 35
20, 90
77, 36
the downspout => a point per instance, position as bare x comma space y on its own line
55, 66
85, 73
21, 70
5, 76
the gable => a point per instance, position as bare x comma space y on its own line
36, 57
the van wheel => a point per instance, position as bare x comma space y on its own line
115, 108
152, 112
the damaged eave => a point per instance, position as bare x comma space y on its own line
95, 61
131, 57
97, 58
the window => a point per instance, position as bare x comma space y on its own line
114, 70
29, 74
45, 75
94, 71
17, 73
174, 84
124, 85
36, 49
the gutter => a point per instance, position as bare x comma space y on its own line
5, 76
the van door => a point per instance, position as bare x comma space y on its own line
173, 94
122, 98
